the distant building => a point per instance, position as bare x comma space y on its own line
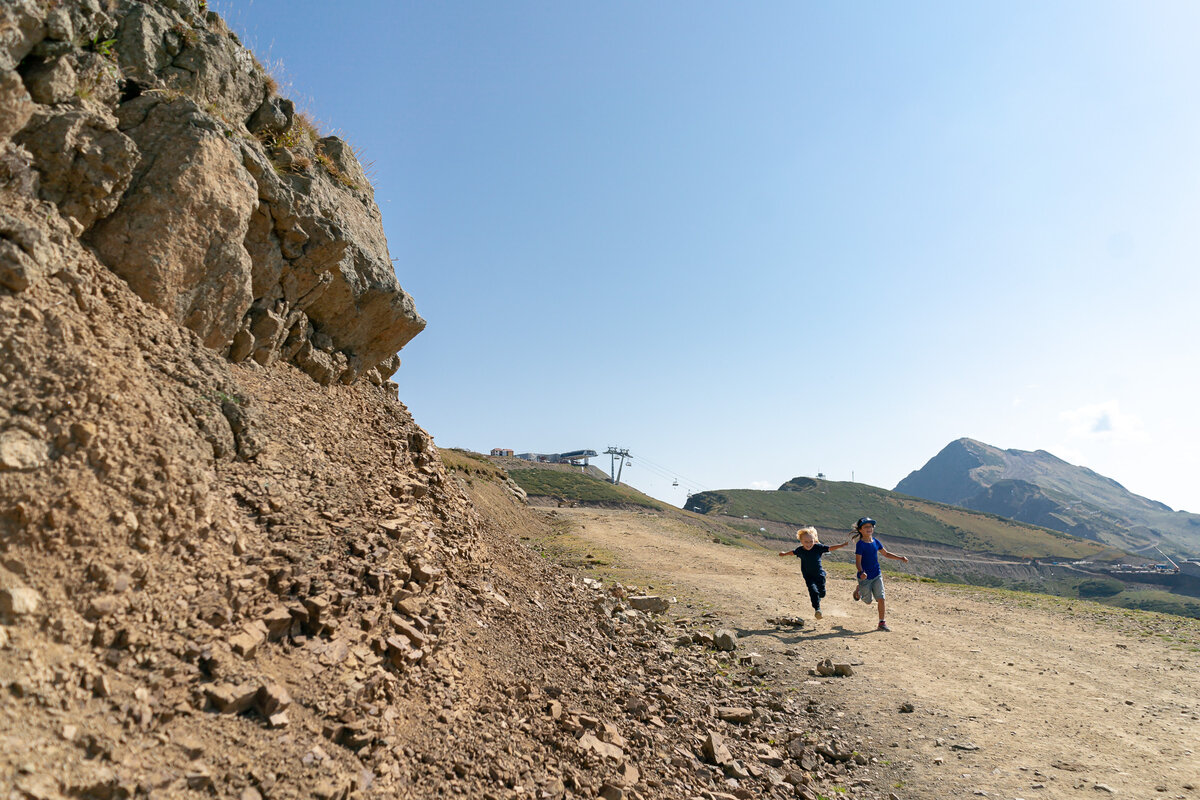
577, 456
570, 457
501, 451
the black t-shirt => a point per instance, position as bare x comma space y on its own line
810, 560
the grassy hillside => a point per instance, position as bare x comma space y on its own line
836, 505
578, 486
459, 460
556, 481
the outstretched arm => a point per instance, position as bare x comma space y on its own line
836, 546
893, 555
786, 553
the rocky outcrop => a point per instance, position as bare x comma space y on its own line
195, 187
159, 141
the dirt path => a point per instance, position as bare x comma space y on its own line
1014, 696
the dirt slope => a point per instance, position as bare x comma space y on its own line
228, 580
1013, 695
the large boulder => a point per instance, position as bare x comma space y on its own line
22, 25
318, 250
16, 106
178, 47
85, 163
176, 237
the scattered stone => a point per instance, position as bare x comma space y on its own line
715, 750
199, 777
271, 699
19, 601
423, 573
246, 643
590, 742
192, 748
21, 452
725, 640
37, 787
907, 708
101, 607
827, 669
417, 638
769, 755
650, 603
735, 714
832, 752
611, 792
278, 621
229, 699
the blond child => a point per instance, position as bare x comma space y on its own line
809, 552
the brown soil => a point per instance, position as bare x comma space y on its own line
226, 580
1013, 695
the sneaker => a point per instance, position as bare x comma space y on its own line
883, 626
817, 613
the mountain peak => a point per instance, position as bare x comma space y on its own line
1040, 488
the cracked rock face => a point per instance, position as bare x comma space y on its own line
157, 138
84, 162
197, 189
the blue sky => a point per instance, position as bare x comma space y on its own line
753, 241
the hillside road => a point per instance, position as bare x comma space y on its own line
1013, 696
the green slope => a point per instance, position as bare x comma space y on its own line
578, 486
836, 505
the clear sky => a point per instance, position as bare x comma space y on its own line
750, 241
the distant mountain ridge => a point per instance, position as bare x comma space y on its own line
834, 505
1039, 488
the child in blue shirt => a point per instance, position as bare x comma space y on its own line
809, 552
870, 575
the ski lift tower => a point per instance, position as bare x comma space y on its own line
617, 455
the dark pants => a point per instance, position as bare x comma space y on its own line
816, 588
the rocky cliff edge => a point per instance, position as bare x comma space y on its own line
150, 135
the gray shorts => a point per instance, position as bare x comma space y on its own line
869, 587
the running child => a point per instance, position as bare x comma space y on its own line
870, 575
809, 552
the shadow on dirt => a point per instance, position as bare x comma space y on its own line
795, 636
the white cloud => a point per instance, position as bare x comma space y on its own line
763, 485
1103, 422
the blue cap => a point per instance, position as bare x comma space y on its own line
864, 521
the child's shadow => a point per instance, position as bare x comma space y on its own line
835, 632
794, 636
